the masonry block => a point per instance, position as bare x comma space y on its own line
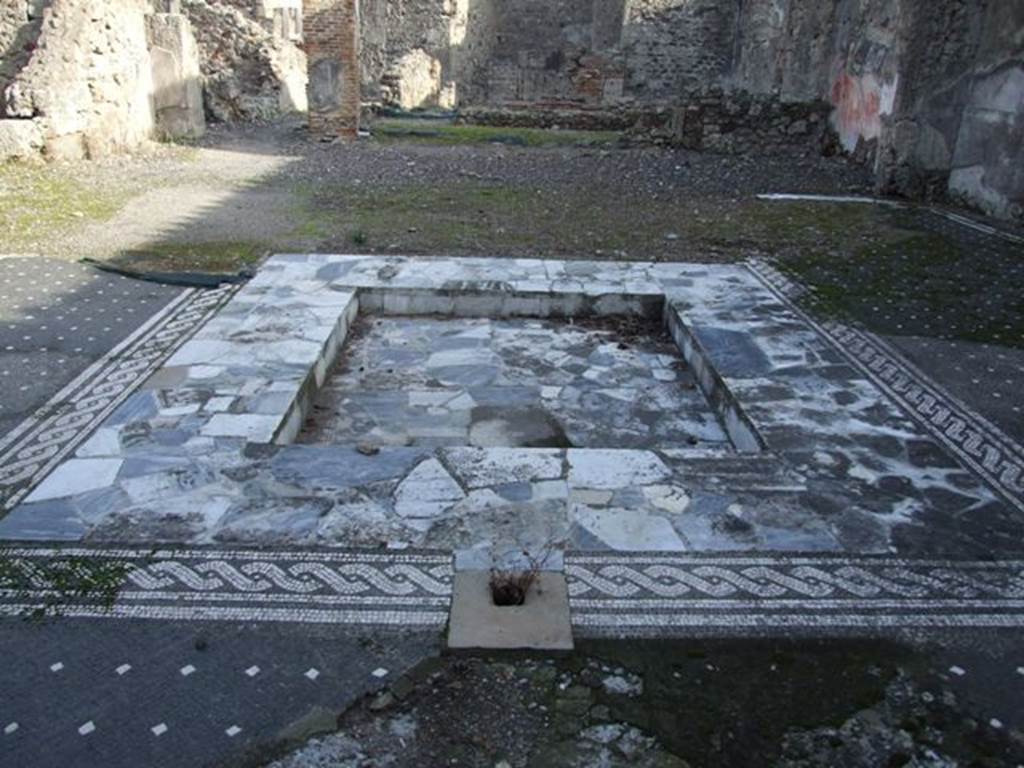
331, 30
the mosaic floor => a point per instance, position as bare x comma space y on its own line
429, 381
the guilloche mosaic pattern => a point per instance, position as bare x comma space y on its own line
821, 460
645, 594
321, 587
618, 594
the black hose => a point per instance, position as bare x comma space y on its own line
184, 279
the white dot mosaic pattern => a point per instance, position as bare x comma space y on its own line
159, 718
55, 316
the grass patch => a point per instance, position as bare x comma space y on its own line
475, 217
37, 200
392, 130
220, 257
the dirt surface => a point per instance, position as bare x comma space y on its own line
247, 191
670, 704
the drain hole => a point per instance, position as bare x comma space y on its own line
509, 588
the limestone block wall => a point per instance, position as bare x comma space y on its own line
177, 87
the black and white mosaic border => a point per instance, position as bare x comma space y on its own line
980, 445
326, 587
673, 594
34, 448
609, 593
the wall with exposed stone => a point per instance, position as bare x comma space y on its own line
927, 92
931, 93
20, 24
88, 81
84, 78
87, 78
332, 46
959, 125
416, 54
249, 72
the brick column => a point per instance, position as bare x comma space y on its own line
331, 31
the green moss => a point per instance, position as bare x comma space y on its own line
38, 200
446, 133
226, 256
897, 277
51, 584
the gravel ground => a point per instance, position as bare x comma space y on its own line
798, 704
246, 191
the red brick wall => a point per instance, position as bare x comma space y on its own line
331, 29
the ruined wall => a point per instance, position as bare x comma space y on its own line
672, 48
590, 52
417, 54
986, 157
20, 24
93, 77
929, 93
248, 72
88, 81
177, 96
281, 18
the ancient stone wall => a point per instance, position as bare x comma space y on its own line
959, 124
673, 48
930, 93
177, 80
94, 77
249, 73
987, 167
88, 81
590, 52
416, 54
20, 24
